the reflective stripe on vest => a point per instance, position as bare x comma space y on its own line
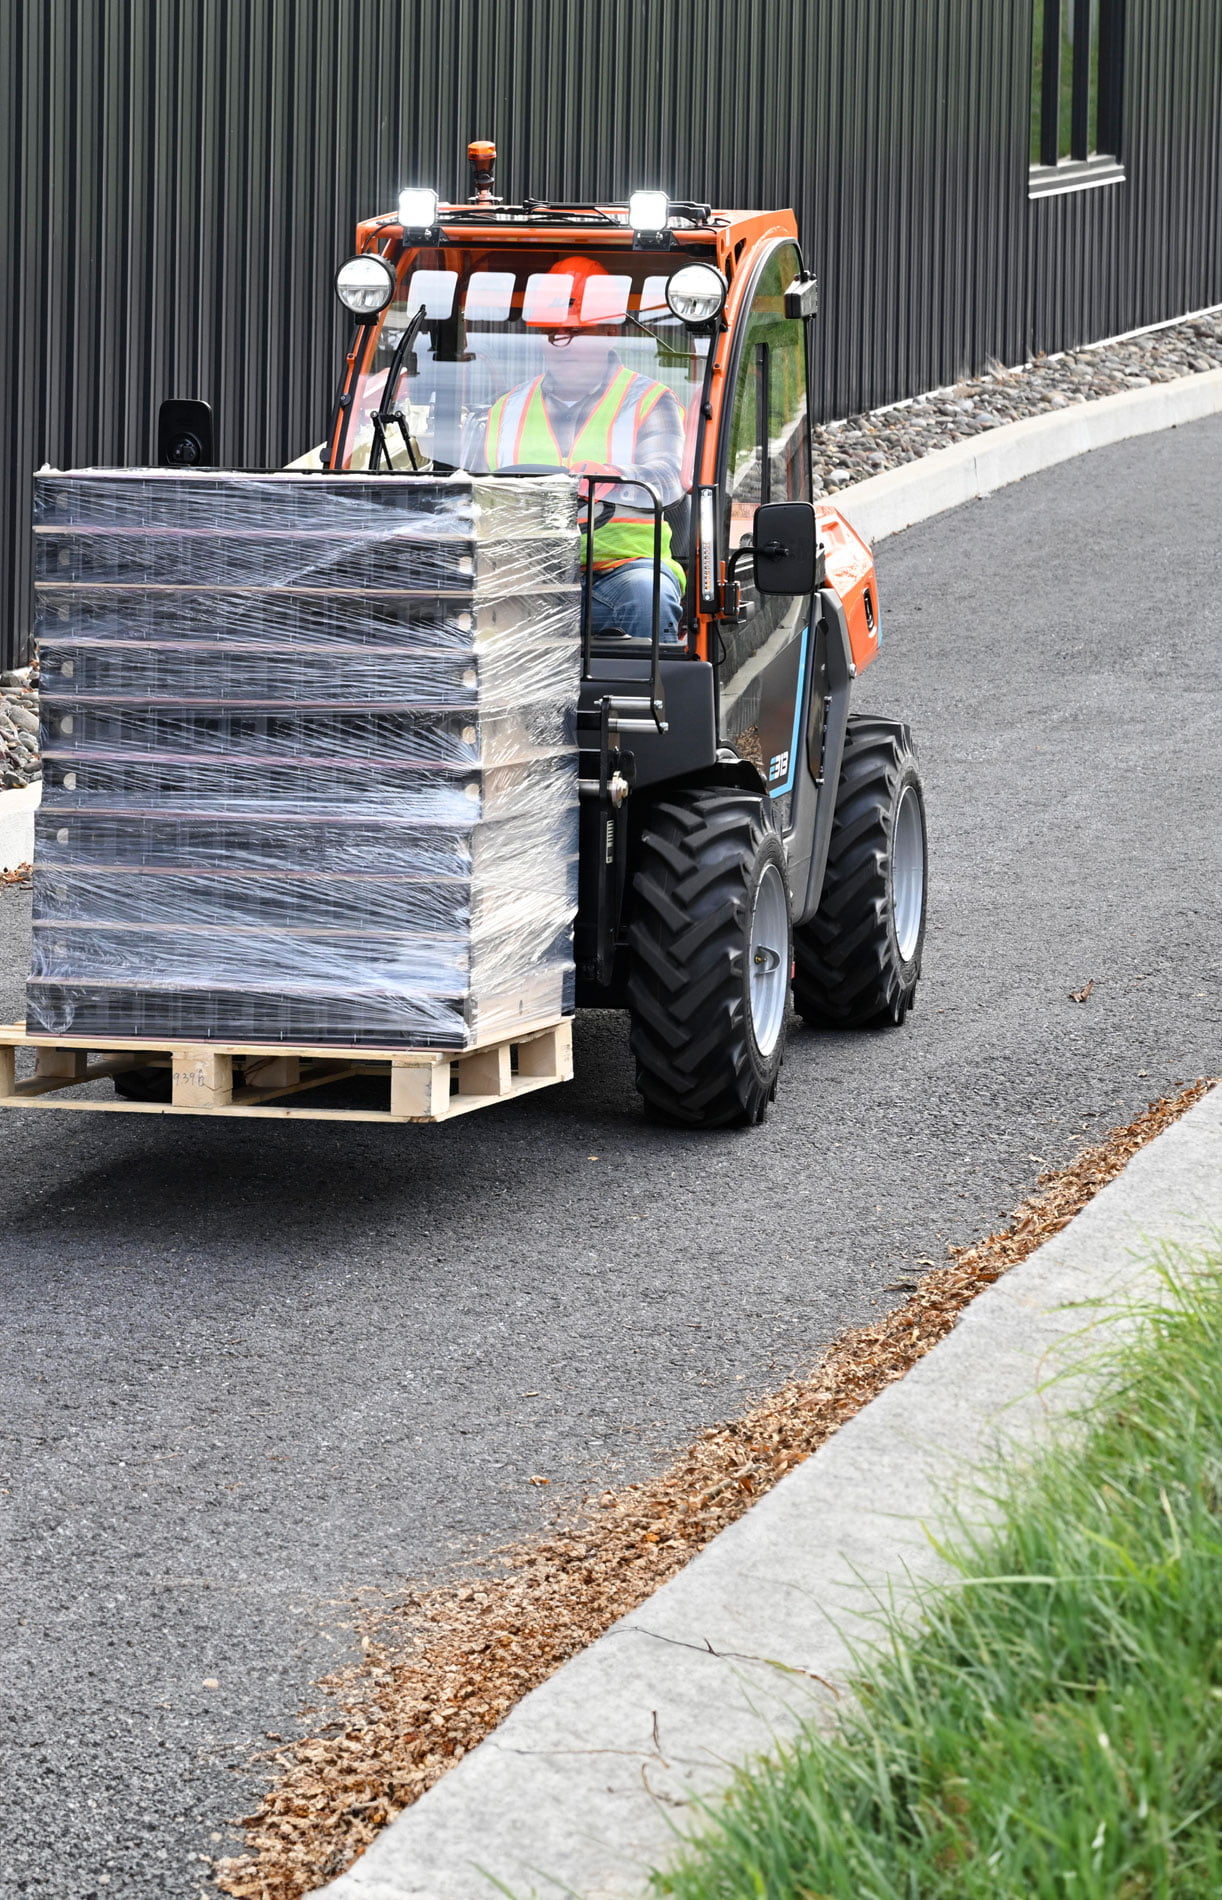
519, 429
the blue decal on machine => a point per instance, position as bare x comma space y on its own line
783, 764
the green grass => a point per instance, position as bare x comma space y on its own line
1052, 1726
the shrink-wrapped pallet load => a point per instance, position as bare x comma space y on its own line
309, 762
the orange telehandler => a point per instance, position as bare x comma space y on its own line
742, 832
743, 837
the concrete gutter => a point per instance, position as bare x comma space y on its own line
17, 825
888, 503
582, 1788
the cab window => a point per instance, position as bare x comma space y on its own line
486, 316
769, 453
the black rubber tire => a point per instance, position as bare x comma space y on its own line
145, 1085
701, 858
849, 973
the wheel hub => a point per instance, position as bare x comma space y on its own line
908, 873
769, 977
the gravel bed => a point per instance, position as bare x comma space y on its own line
852, 450
19, 760
861, 446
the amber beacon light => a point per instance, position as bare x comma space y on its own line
481, 155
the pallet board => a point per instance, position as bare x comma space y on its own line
426, 1085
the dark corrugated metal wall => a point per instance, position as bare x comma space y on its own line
1109, 260
181, 177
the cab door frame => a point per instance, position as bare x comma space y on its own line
783, 767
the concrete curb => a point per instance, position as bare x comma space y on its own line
944, 479
17, 826
580, 1790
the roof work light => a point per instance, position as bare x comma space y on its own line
417, 209
365, 285
649, 211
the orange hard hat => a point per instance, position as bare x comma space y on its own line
572, 307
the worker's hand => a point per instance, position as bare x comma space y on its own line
603, 490
594, 468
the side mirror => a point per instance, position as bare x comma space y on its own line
785, 535
184, 434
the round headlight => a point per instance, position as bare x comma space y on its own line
696, 293
365, 285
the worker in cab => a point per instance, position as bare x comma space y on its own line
589, 413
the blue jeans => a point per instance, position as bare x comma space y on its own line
623, 598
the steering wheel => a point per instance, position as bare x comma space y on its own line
603, 510
532, 468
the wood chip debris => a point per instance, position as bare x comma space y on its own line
442, 1669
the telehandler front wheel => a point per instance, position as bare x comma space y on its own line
858, 958
145, 1085
710, 949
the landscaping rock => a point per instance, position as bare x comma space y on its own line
19, 760
851, 449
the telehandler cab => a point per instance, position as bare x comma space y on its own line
741, 832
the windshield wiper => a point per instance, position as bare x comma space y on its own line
385, 413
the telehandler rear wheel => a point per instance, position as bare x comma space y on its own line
710, 947
858, 958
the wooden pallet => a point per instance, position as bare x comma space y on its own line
227, 1078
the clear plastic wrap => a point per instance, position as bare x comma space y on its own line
309, 758
415, 794
370, 562
429, 623
442, 962
313, 737
125, 673
328, 846
261, 504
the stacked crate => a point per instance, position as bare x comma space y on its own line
309, 764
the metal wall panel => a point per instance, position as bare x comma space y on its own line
179, 179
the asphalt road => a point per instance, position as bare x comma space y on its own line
251, 1370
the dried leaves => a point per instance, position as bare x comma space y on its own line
20, 874
450, 1662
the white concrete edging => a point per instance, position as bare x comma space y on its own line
945, 478
17, 810
579, 1791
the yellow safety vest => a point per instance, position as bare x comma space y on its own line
519, 430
